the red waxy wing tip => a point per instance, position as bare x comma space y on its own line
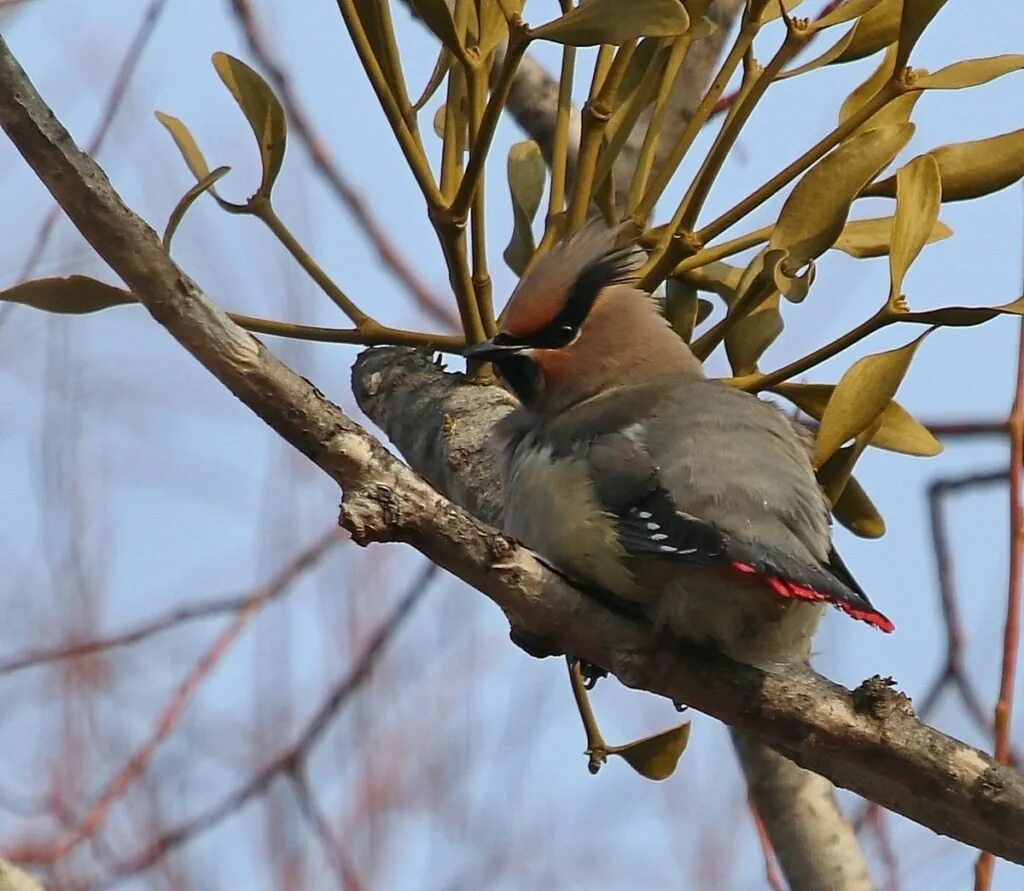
791, 589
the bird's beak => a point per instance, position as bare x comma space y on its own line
489, 351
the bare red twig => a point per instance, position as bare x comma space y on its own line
171, 715
1011, 631
291, 759
144, 630
344, 871
877, 823
389, 255
771, 869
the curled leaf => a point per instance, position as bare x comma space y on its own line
873, 238
970, 169
861, 396
857, 512
73, 295
815, 212
898, 430
187, 200
918, 198
262, 110
719, 278
526, 174
655, 757
970, 73
615, 22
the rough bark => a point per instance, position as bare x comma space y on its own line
814, 841
866, 740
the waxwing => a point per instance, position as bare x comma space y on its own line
627, 469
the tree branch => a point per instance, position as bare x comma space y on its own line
867, 740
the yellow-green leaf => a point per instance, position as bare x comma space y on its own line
614, 22
186, 144
845, 12
438, 17
856, 511
918, 199
441, 68
815, 212
719, 278
655, 757
526, 174
897, 432
873, 238
970, 73
971, 169
875, 30
493, 24
861, 396
865, 91
771, 9
835, 473
964, 316
752, 335
683, 308
917, 15
263, 111
74, 295
826, 58
187, 200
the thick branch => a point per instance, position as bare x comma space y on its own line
868, 740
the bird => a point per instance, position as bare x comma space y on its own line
626, 468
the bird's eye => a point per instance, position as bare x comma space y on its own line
566, 333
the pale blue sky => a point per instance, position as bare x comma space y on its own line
184, 493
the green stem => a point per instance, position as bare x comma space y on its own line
753, 383
596, 113
260, 207
690, 207
518, 41
723, 250
597, 748
407, 136
756, 294
559, 148
481, 275
700, 117
370, 335
648, 151
793, 170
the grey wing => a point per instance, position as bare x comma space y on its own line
736, 462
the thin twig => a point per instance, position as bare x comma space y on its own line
284, 764
206, 610
771, 868
324, 163
1011, 630
97, 815
345, 872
